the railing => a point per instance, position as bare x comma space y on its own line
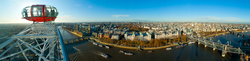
65, 55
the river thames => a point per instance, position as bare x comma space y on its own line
86, 51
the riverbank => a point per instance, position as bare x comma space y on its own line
225, 33
73, 33
218, 34
127, 47
241, 30
76, 40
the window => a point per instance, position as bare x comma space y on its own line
48, 11
56, 12
26, 12
51, 11
37, 11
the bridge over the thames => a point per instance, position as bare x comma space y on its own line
219, 46
240, 33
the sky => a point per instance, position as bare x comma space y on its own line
134, 10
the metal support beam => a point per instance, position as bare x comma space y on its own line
44, 34
11, 40
33, 50
66, 58
8, 49
6, 43
34, 36
23, 51
214, 46
20, 52
205, 43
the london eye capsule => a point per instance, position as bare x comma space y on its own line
39, 13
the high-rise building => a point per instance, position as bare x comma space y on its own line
89, 29
78, 27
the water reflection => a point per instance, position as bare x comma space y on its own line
229, 37
195, 52
66, 35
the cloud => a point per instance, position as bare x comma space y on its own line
117, 20
232, 18
14, 20
140, 20
208, 18
129, 20
120, 15
25, 2
77, 4
4, 20
65, 16
90, 6
215, 19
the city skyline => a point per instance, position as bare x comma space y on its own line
134, 11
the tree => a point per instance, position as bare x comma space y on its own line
169, 41
178, 39
174, 41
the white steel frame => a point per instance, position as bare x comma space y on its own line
41, 39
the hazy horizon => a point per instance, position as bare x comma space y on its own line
146, 22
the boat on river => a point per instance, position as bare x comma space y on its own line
100, 45
94, 43
150, 51
104, 55
191, 42
179, 46
169, 48
107, 47
127, 53
121, 51
185, 45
